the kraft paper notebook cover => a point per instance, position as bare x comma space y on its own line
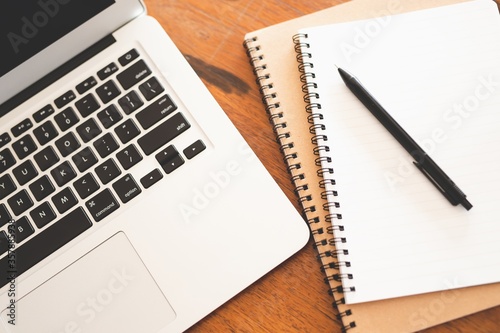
272, 54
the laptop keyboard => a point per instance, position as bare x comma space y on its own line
56, 166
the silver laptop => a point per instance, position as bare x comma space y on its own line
129, 202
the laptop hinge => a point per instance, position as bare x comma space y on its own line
55, 75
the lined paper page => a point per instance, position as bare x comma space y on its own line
437, 72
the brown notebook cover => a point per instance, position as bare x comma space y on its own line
271, 52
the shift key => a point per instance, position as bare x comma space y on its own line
164, 133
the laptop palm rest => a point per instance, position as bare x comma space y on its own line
115, 291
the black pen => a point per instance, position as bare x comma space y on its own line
422, 161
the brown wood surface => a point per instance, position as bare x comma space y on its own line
293, 297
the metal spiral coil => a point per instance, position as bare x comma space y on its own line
286, 146
307, 75
334, 258
329, 205
333, 228
351, 325
324, 182
282, 136
313, 106
319, 138
316, 127
310, 96
341, 290
338, 277
321, 159
318, 149
312, 116
331, 217
324, 171
313, 220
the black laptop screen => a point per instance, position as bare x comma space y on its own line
29, 26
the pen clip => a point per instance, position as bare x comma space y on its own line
446, 194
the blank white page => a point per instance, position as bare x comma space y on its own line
437, 72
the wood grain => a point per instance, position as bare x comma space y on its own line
293, 297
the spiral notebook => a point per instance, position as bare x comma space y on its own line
439, 79
274, 60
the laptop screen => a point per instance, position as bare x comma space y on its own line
38, 36
29, 26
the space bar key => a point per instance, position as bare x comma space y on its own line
44, 244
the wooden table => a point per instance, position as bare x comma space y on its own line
293, 297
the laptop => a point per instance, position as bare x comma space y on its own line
129, 201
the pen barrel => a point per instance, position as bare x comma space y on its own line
439, 178
423, 161
384, 117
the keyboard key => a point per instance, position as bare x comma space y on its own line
43, 113
85, 86
106, 145
67, 144
63, 173
20, 202
194, 149
44, 133
64, 200
65, 99
42, 188
107, 171
22, 127
87, 105
67, 118
151, 178
102, 205
166, 155
7, 186
43, 215
86, 185
169, 159
164, 133
46, 242
46, 158
25, 172
7, 160
127, 131
4, 139
107, 71
4, 215
84, 159
156, 111
109, 116
129, 157
130, 102
151, 88
89, 130
24, 146
23, 229
128, 57
173, 164
108, 91
133, 75
4, 242
126, 188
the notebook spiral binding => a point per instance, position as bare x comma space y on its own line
275, 113
335, 277
324, 240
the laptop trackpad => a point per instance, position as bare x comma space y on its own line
107, 290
